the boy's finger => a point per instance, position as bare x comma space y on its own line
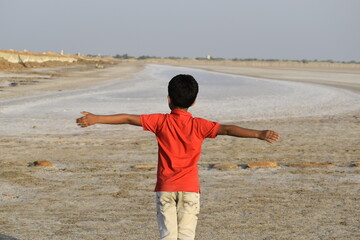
79, 120
272, 137
82, 124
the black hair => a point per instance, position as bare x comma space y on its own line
183, 90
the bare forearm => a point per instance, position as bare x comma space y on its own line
91, 119
113, 119
235, 131
232, 130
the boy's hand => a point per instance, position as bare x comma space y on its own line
87, 120
269, 136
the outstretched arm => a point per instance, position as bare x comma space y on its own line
232, 130
90, 119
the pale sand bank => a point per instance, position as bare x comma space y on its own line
92, 192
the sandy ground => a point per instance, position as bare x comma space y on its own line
31, 81
92, 191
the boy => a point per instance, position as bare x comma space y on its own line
179, 137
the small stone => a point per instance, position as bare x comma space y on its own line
42, 163
311, 164
356, 164
144, 166
262, 164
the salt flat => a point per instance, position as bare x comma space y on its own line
222, 97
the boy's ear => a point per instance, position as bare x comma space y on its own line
193, 103
169, 99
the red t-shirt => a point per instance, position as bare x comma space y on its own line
179, 137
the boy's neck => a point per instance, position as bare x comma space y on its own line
177, 108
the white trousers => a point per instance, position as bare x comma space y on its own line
177, 214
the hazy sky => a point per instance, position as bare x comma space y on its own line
281, 29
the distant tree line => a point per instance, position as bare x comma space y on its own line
208, 58
124, 56
286, 60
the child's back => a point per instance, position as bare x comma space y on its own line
180, 137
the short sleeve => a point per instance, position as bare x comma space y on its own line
151, 122
207, 129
